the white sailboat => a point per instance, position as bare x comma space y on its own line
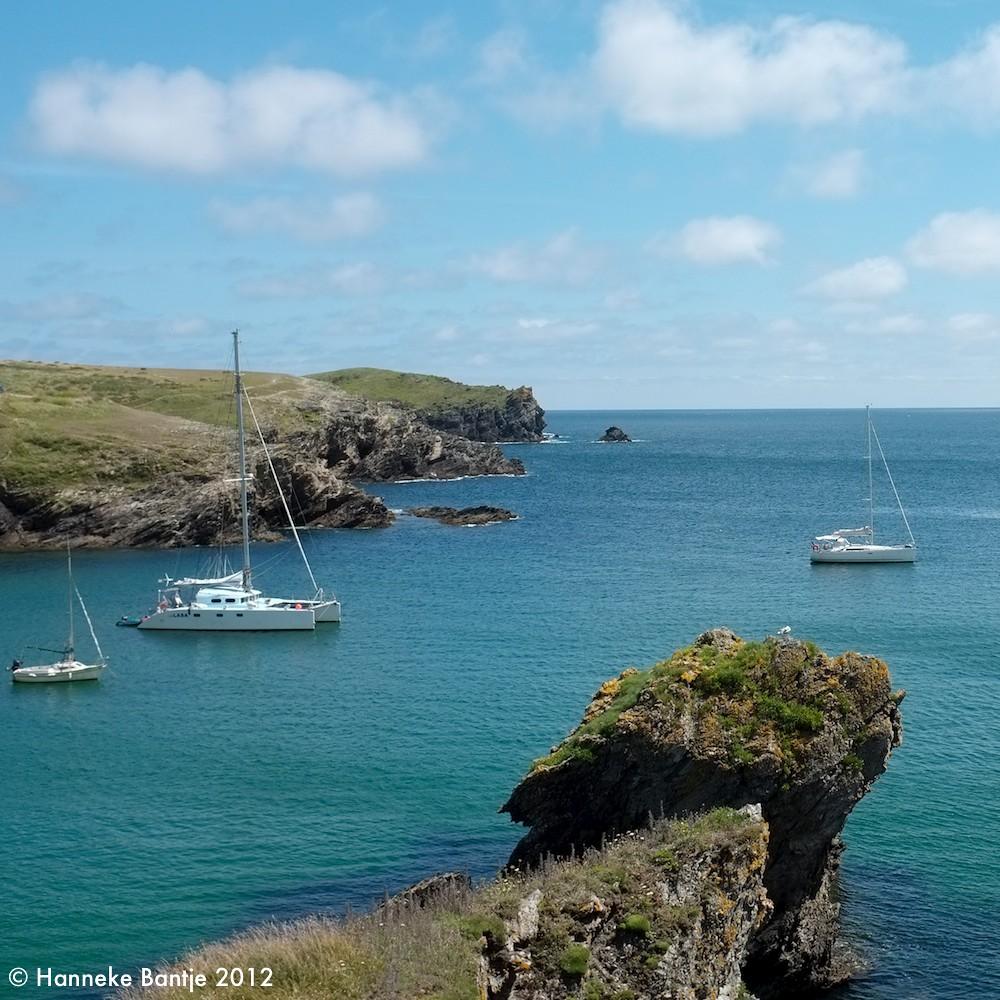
857, 545
231, 603
69, 668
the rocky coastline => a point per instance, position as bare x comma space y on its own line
684, 843
172, 491
520, 418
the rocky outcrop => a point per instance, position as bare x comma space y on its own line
615, 435
464, 516
666, 912
320, 445
520, 418
728, 723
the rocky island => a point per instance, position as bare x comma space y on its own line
684, 844
102, 456
465, 516
615, 435
490, 413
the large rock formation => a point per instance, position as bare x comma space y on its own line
728, 723
519, 418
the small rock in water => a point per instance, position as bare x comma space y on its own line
615, 434
462, 516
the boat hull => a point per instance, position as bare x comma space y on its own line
57, 673
230, 620
865, 554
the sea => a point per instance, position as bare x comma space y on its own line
212, 782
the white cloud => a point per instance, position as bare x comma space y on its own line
897, 324
959, 242
501, 56
336, 218
974, 327
347, 279
565, 259
838, 177
868, 280
662, 71
187, 121
720, 240
61, 306
447, 334
967, 84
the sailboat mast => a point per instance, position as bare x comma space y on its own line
69, 593
244, 512
871, 493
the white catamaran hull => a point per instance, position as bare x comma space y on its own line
866, 554
324, 611
199, 619
56, 673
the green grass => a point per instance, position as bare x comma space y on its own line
636, 923
65, 425
424, 392
574, 959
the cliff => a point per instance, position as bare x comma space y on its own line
119, 456
488, 413
730, 723
666, 912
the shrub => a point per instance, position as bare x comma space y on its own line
635, 923
593, 989
728, 678
574, 959
852, 762
667, 859
790, 715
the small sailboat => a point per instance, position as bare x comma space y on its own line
230, 602
857, 545
69, 668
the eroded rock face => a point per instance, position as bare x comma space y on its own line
519, 419
727, 723
342, 439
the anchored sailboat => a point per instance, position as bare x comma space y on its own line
857, 545
69, 668
230, 603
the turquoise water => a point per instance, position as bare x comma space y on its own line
208, 782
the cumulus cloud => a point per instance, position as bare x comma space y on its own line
866, 281
187, 121
346, 279
565, 259
335, 218
965, 243
59, 306
663, 71
837, 177
720, 240
896, 324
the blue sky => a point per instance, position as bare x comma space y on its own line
631, 203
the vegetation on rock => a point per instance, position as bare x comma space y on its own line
554, 932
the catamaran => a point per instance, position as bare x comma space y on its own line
69, 668
857, 545
230, 603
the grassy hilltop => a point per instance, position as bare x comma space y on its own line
422, 392
66, 424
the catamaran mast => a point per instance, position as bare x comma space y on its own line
243, 461
69, 578
871, 492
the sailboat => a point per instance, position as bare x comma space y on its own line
857, 545
69, 668
231, 603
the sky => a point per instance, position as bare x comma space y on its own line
625, 204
